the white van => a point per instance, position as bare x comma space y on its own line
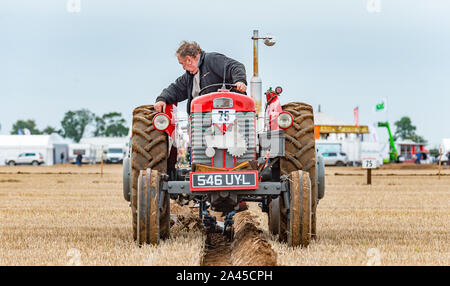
115, 153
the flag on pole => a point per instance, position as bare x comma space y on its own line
373, 132
355, 113
382, 106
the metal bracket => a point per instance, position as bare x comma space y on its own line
273, 142
264, 188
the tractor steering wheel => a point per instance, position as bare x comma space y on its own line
215, 84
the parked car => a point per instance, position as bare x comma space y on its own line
28, 158
335, 158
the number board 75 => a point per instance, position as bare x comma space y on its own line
221, 116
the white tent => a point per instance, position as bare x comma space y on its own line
320, 118
50, 146
102, 143
445, 145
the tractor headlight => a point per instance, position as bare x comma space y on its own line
161, 121
285, 120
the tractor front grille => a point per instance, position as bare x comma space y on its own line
201, 126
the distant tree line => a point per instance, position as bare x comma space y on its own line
74, 124
113, 124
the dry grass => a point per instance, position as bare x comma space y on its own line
44, 216
60, 219
402, 220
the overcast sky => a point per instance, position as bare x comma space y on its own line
116, 55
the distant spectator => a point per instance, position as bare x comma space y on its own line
448, 159
418, 156
79, 159
62, 157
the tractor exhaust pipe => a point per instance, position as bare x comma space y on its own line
256, 85
255, 82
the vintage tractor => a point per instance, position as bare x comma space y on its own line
230, 163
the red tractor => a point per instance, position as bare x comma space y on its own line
231, 162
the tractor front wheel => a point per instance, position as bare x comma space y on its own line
293, 222
299, 222
151, 222
274, 216
149, 149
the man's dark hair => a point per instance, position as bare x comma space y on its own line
188, 49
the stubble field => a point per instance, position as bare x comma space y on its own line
67, 215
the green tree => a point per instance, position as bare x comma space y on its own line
405, 130
51, 130
110, 124
99, 126
115, 124
29, 124
74, 123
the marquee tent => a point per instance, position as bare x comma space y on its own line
50, 146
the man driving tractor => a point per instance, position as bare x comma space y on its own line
202, 69
232, 160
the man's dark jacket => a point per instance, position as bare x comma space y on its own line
211, 68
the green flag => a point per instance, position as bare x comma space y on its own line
381, 106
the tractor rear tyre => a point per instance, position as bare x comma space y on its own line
149, 149
150, 222
300, 154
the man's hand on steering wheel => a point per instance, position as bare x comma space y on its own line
240, 86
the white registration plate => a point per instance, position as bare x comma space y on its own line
232, 180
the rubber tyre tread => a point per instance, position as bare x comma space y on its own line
300, 154
299, 223
153, 225
142, 157
148, 212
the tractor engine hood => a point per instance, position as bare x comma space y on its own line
222, 129
208, 102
